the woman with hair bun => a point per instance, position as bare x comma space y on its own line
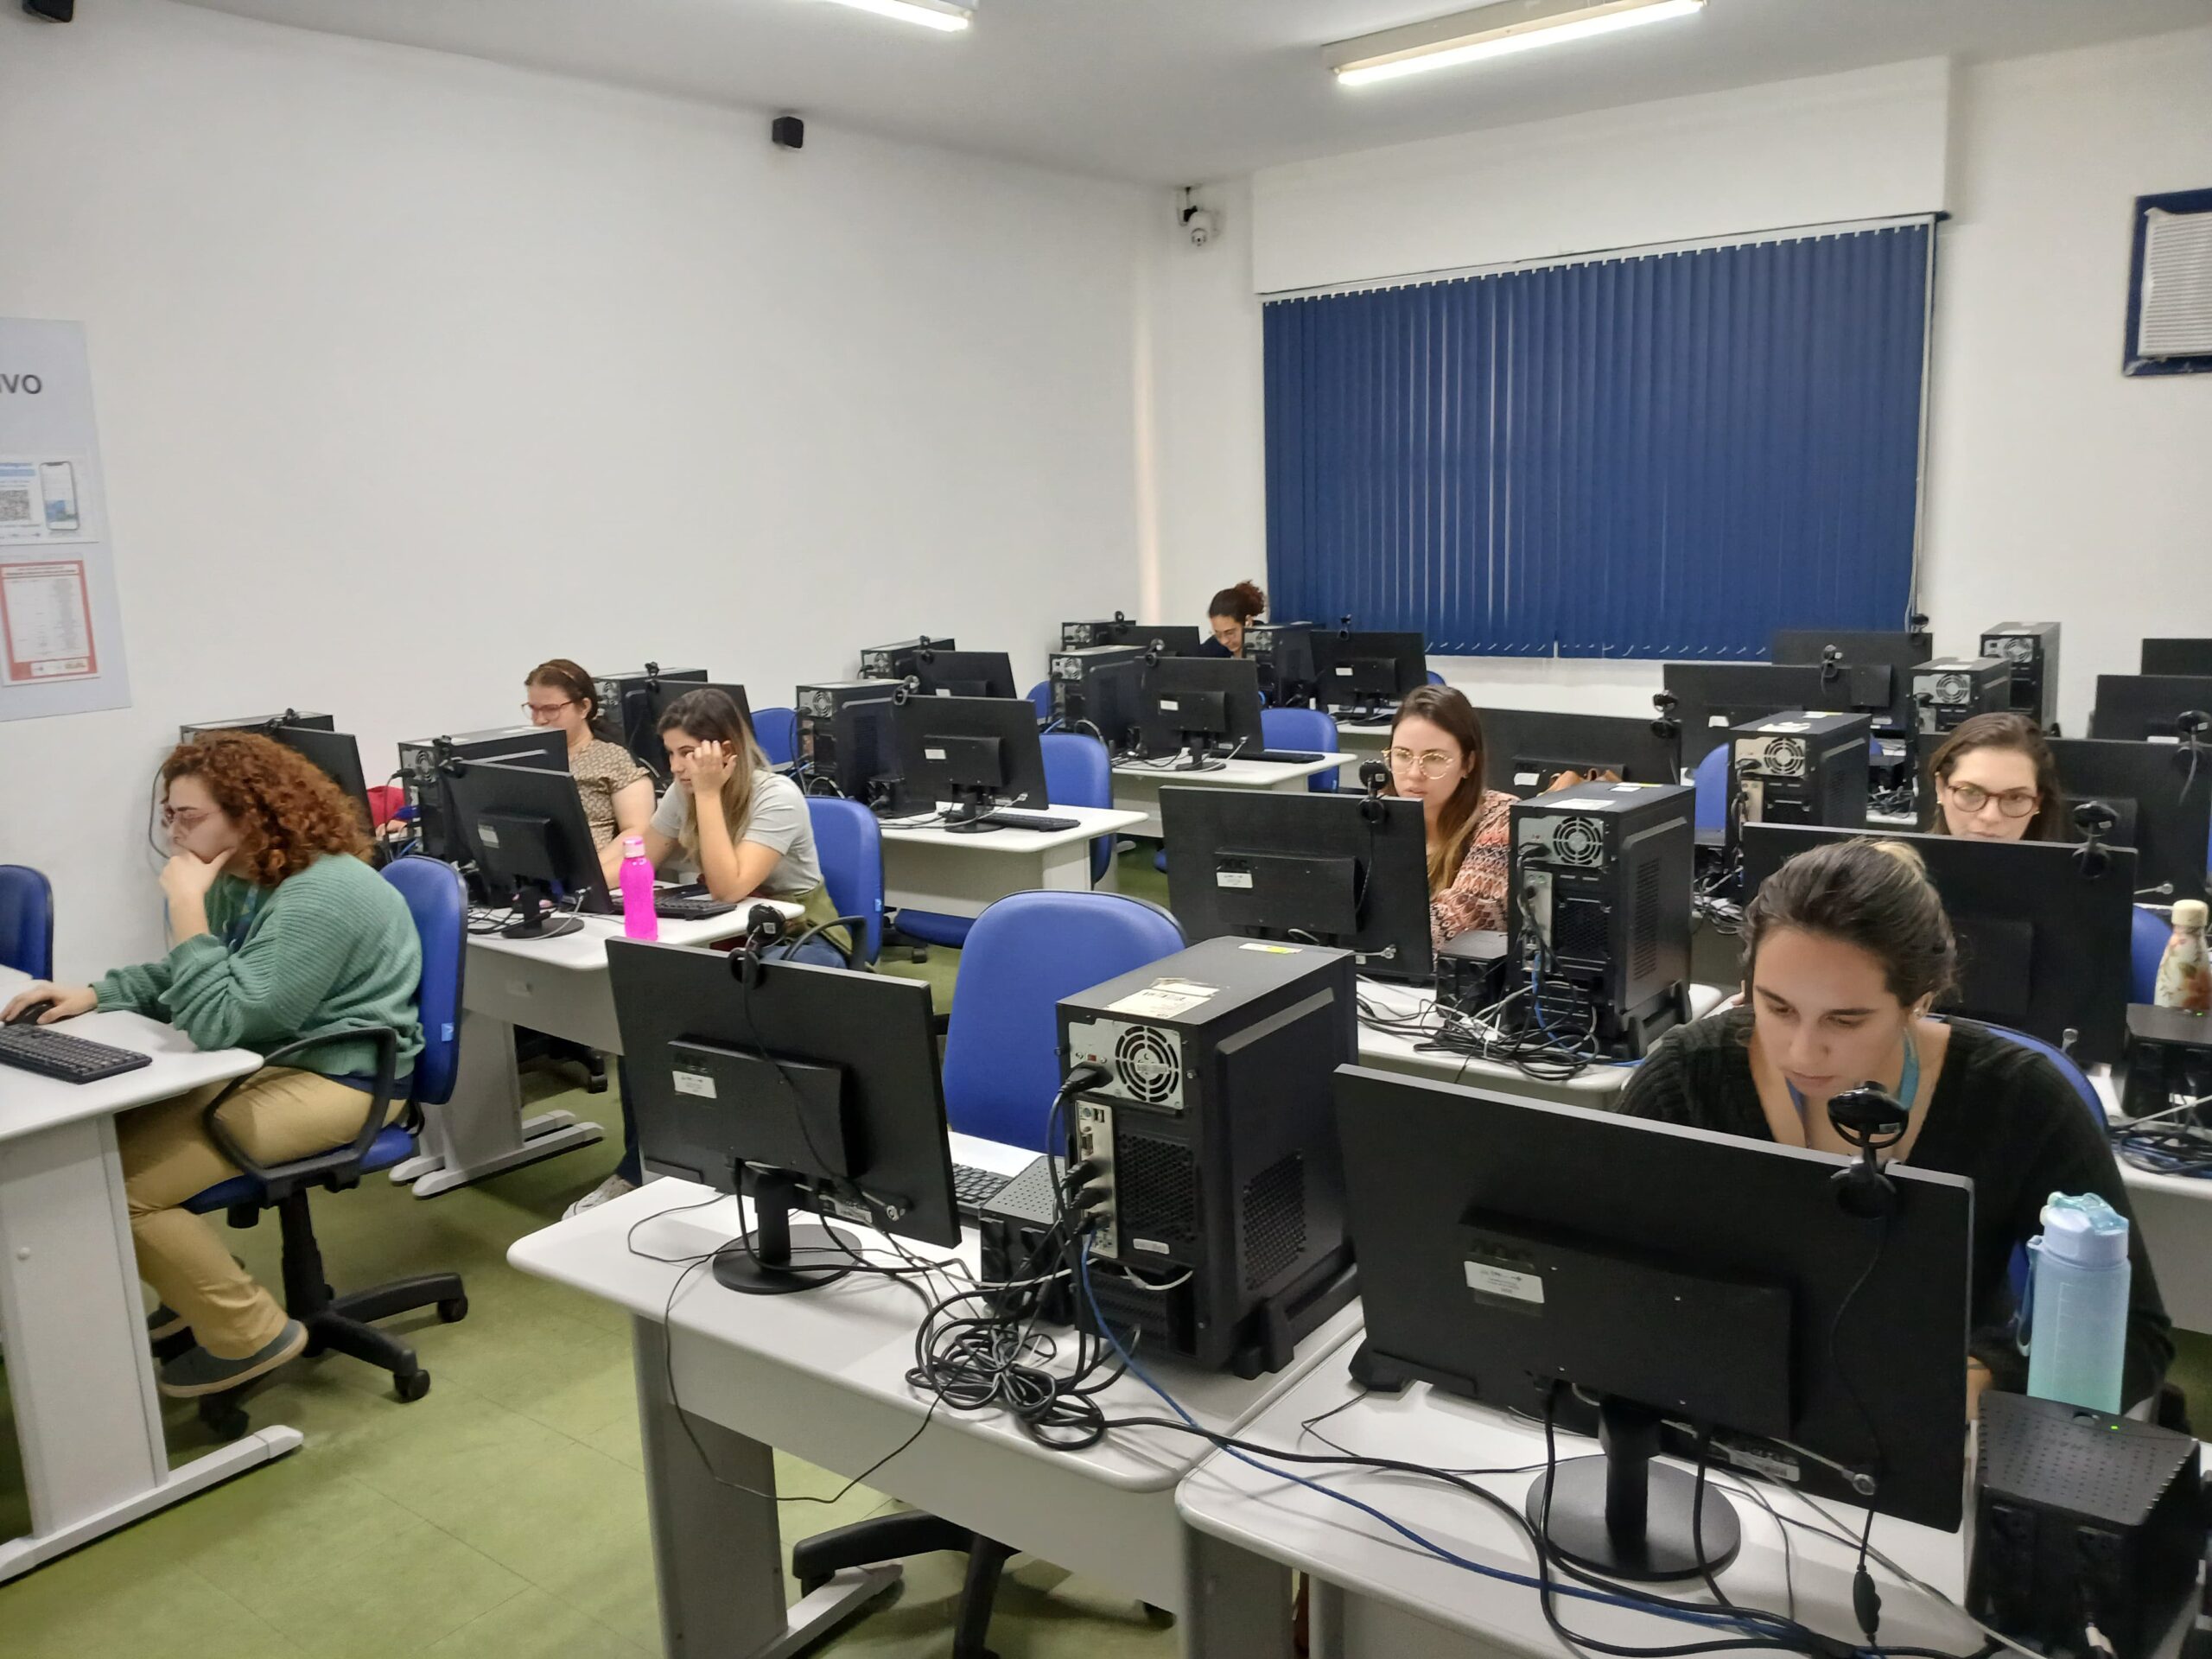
1227, 615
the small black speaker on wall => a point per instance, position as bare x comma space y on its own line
54, 11
788, 130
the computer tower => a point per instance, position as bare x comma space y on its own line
1799, 768
1951, 691
421, 759
2031, 650
1285, 651
1081, 636
896, 660
1214, 1125
1600, 897
1083, 692
257, 723
844, 736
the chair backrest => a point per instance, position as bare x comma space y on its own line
2146, 948
26, 921
1024, 953
849, 843
1435, 678
386, 801
1041, 695
776, 730
1079, 772
1302, 728
2067, 1068
438, 900
1712, 789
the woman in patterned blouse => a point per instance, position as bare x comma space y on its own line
618, 792
1436, 757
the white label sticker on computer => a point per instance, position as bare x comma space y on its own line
1530, 778
1164, 999
1169, 706
1486, 1279
693, 1082
1151, 1246
1344, 672
942, 691
1719, 719
488, 835
2155, 738
933, 755
1233, 878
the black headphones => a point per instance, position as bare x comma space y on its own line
764, 925
1872, 1120
2095, 821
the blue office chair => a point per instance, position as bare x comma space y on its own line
1041, 694
1435, 678
2147, 948
1712, 790
1025, 952
439, 903
850, 844
26, 921
1079, 772
776, 730
1302, 728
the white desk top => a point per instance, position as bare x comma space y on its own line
1288, 1523
1090, 822
584, 950
858, 1335
1399, 1052
30, 1103
1235, 774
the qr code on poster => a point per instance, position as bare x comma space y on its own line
14, 507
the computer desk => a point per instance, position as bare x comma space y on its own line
1137, 784
1598, 1087
822, 1375
930, 867
1375, 1594
557, 986
80, 1374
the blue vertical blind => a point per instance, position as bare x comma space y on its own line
1668, 456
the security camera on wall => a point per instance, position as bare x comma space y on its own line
1200, 224
53, 12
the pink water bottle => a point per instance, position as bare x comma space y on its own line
639, 919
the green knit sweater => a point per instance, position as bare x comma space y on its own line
329, 947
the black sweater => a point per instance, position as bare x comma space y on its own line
2001, 1115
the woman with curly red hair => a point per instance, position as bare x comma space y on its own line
278, 930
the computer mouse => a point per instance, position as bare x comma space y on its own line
29, 1013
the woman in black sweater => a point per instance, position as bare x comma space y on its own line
1845, 948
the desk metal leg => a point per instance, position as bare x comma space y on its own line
717, 1550
481, 1130
80, 1375
1236, 1604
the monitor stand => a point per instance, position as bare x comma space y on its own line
1624, 1516
968, 816
538, 921
760, 1264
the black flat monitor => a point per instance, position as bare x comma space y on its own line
2183, 656
533, 844
963, 673
1525, 750
1878, 666
1202, 709
965, 756
2045, 930
1711, 697
806, 1088
2162, 798
421, 766
1521, 1253
626, 703
1339, 870
2148, 708
653, 703
338, 754
1367, 673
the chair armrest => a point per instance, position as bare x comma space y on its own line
387, 1042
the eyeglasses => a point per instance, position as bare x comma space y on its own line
1428, 763
547, 710
2013, 802
189, 817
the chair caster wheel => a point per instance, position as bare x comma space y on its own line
807, 1587
227, 1426
411, 1386
454, 1309
315, 1349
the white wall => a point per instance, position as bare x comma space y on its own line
2056, 488
413, 371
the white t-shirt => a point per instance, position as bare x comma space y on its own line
778, 822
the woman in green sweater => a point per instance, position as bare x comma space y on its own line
278, 930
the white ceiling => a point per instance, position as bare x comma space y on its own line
1170, 92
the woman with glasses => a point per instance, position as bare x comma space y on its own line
1436, 757
618, 792
1995, 780
279, 932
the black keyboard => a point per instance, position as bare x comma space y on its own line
688, 905
1030, 821
1287, 757
53, 1054
973, 1188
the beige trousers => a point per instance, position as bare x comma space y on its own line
276, 1114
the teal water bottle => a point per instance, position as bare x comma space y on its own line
2078, 1281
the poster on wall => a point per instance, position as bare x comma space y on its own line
60, 622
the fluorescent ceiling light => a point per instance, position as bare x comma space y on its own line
1491, 31
929, 13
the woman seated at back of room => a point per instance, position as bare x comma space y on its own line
743, 829
618, 792
1995, 780
1845, 948
1229, 613
280, 930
